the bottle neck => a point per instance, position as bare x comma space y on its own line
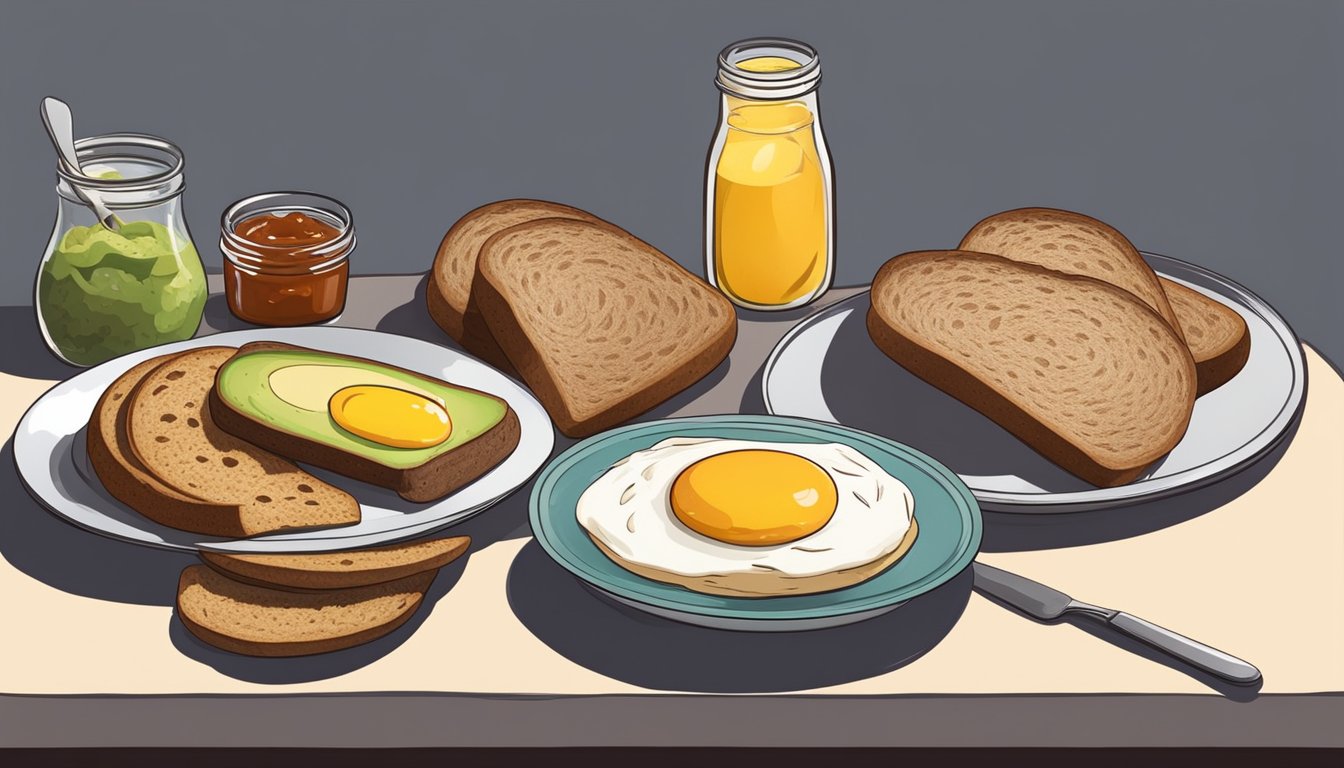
769, 116
769, 69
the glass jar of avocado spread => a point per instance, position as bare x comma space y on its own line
103, 292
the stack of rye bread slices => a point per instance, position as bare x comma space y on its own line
155, 447
301, 604
599, 324
1052, 324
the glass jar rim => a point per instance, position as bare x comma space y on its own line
779, 84
88, 147
259, 257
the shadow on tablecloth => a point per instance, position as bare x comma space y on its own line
1018, 533
26, 354
412, 319
652, 652
76, 561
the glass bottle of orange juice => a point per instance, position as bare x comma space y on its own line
769, 191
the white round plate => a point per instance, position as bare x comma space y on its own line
49, 449
826, 368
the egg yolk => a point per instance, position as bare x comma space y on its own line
389, 416
754, 498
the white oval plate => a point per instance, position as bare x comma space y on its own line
49, 449
826, 368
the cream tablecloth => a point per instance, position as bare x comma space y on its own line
1252, 566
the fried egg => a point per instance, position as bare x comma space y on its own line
749, 517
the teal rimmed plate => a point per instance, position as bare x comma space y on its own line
948, 517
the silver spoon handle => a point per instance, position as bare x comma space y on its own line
1190, 651
61, 126
100, 209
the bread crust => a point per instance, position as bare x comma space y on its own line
426, 482
983, 397
1217, 366
264, 597
458, 317
477, 339
507, 330
1217, 371
1121, 242
278, 571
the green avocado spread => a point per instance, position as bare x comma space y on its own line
103, 293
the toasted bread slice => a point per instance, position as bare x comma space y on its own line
171, 433
437, 475
129, 481
449, 291
340, 570
1074, 244
1078, 369
1217, 335
258, 621
601, 325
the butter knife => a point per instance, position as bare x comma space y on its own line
1042, 602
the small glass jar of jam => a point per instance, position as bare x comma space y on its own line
286, 257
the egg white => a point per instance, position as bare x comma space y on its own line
628, 509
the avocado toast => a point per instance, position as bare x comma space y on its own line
422, 437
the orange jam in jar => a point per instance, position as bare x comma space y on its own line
286, 257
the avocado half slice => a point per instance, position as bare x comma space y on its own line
278, 396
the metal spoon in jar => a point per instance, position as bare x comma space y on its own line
60, 126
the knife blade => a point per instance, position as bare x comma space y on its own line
1046, 603
1031, 597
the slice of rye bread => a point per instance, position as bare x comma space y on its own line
601, 325
339, 570
130, 481
1078, 369
449, 291
1217, 335
259, 621
1074, 244
434, 479
170, 432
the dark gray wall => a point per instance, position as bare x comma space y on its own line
1209, 131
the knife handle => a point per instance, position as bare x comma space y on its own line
1198, 654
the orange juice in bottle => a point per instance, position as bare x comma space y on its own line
769, 201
